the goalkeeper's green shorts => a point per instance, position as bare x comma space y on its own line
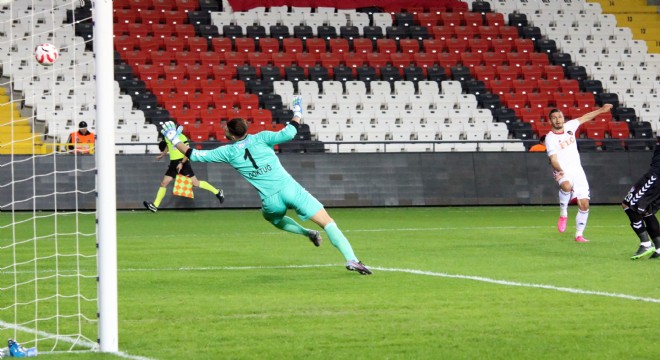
293, 196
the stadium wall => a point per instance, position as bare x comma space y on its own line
338, 180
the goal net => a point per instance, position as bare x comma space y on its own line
50, 267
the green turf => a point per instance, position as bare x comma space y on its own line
448, 283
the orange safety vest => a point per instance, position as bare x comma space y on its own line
84, 144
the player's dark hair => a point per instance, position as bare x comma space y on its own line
552, 112
237, 127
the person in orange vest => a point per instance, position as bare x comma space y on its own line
540, 147
81, 141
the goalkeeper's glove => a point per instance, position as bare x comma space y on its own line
296, 106
171, 132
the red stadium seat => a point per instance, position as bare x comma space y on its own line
618, 129
538, 100
148, 72
125, 16
187, 86
554, 72
138, 30
186, 58
199, 72
504, 46
378, 60
532, 72
184, 30
401, 61
162, 30
269, 45
315, 45
125, 43
473, 19
539, 59
530, 115
427, 19
594, 129
443, 32
425, 60
210, 58
563, 100
248, 101
292, 45
354, 60
488, 32
199, 101
451, 19
235, 87
547, 86
174, 44
447, 60
162, 87
258, 59
499, 87
585, 100
175, 17
515, 100
523, 45
150, 43
263, 116
517, 59
387, 46
223, 101
471, 59
307, 60
508, 72
221, 45
187, 5
330, 61
223, 71
410, 46
570, 86
484, 72
479, 45
456, 45
362, 45
466, 32
135, 58
338, 46
212, 86
522, 86
495, 19
509, 32
283, 60
494, 59
245, 45
235, 58
151, 17
434, 46
197, 44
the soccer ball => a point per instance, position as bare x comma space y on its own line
46, 54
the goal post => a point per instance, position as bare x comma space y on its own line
105, 158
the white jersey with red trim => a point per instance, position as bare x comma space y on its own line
564, 145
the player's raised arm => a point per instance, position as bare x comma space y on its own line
590, 115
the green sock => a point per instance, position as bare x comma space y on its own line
338, 239
160, 195
290, 225
208, 187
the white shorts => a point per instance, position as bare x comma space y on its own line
578, 180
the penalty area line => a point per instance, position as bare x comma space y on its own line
418, 272
520, 284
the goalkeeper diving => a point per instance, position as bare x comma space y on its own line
253, 156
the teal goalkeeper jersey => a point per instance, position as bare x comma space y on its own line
255, 159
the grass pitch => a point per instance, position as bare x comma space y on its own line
448, 283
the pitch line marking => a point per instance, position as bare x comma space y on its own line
93, 347
419, 272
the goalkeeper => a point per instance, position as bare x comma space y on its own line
179, 164
254, 158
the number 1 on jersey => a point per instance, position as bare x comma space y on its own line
249, 156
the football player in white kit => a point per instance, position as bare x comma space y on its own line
565, 161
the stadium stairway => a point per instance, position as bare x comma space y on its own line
643, 19
16, 136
